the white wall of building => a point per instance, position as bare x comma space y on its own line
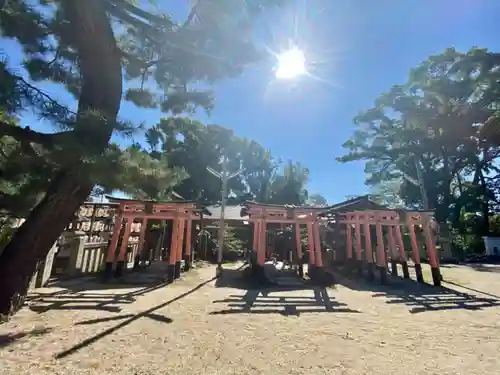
492, 245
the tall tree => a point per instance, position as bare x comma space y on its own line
86, 45
290, 187
437, 129
317, 200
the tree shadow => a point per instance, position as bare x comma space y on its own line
86, 296
127, 319
420, 297
10, 338
485, 267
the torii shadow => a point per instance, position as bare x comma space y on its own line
275, 299
269, 301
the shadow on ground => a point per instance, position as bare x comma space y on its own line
421, 297
126, 320
488, 265
87, 295
10, 338
483, 267
272, 299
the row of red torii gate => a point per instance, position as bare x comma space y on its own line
358, 232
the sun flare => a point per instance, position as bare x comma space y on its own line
291, 64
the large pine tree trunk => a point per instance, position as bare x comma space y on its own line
100, 68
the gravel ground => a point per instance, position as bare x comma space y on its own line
194, 327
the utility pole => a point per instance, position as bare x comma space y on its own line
421, 184
224, 176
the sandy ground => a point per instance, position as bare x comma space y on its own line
194, 327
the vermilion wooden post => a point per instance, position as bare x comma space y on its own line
140, 246
415, 252
393, 250
349, 240
402, 252
298, 242
120, 264
172, 252
381, 261
299, 249
357, 233
188, 250
255, 241
431, 251
310, 242
318, 256
368, 248
180, 245
261, 254
111, 256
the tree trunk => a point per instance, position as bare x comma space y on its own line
101, 90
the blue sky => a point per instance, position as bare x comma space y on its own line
364, 47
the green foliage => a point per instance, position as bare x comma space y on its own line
162, 60
317, 200
443, 122
189, 148
232, 243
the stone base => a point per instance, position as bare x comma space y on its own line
187, 265
394, 267
382, 274
321, 277
359, 267
436, 276
137, 262
370, 276
107, 273
120, 267
177, 269
171, 273
311, 271
352, 265
406, 271
257, 274
418, 272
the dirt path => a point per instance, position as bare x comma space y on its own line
193, 327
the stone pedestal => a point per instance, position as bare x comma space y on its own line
177, 270
76, 243
418, 273
171, 273
394, 267
43, 270
406, 272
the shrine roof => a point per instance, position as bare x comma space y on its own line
173, 201
252, 203
246, 206
231, 212
359, 203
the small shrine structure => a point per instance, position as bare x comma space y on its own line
352, 222
260, 215
374, 233
182, 213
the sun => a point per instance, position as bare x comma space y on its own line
291, 64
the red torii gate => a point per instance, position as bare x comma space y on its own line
262, 214
182, 214
393, 222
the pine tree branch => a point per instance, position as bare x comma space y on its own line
137, 12
26, 134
